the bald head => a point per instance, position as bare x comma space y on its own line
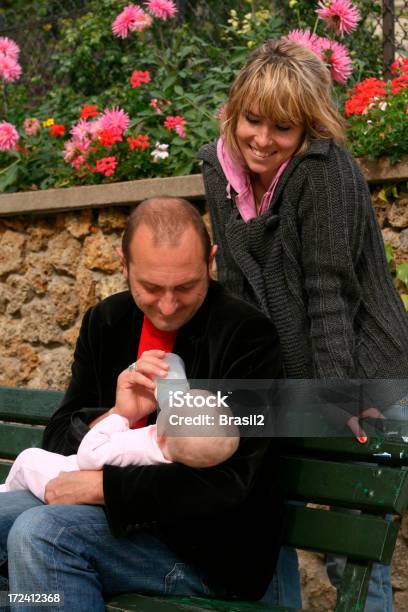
168, 219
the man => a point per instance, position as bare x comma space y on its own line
164, 529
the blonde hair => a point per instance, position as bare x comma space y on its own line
286, 83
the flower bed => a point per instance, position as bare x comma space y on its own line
377, 115
164, 103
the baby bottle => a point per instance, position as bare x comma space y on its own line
175, 384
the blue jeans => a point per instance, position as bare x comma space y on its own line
284, 589
69, 549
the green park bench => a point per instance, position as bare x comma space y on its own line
322, 471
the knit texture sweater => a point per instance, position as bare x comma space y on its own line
314, 263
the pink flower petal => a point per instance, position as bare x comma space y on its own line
162, 9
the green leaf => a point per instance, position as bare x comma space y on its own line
389, 253
184, 168
168, 82
8, 177
383, 196
402, 273
404, 298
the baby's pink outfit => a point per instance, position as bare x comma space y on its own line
109, 442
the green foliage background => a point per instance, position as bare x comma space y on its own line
70, 57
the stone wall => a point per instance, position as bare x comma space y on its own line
52, 269
393, 220
55, 266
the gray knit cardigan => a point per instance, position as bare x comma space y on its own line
315, 264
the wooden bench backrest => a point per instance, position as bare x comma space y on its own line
23, 416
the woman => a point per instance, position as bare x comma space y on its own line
297, 234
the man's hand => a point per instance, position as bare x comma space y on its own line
85, 487
135, 390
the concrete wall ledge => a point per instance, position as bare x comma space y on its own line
379, 170
99, 196
130, 192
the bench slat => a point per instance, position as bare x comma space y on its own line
361, 537
369, 487
4, 469
377, 449
28, 405
15, 437
354, 587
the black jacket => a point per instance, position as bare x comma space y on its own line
226, 520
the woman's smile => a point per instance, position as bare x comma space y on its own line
265, 145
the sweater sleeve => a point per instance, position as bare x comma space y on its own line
333, 214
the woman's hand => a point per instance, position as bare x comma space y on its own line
354, 424
135, 389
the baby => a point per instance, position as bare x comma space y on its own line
111, 442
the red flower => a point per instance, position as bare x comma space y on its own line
363, 93
399, 83
89, 110
176, 123
400, 65
140, 142
138, 77
21, 149
106, 165
57, 129
108, 137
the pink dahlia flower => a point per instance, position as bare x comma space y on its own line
94, 128
162, 9
9, 47
31, 126
70, 150
114, 118
9, 136
76, 152
340, 15
306, 39
337, 57
10, 70
81, 130
143, 22
131, 19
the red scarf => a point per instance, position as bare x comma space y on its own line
153, 338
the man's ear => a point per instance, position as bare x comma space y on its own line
211, 261
123, 262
